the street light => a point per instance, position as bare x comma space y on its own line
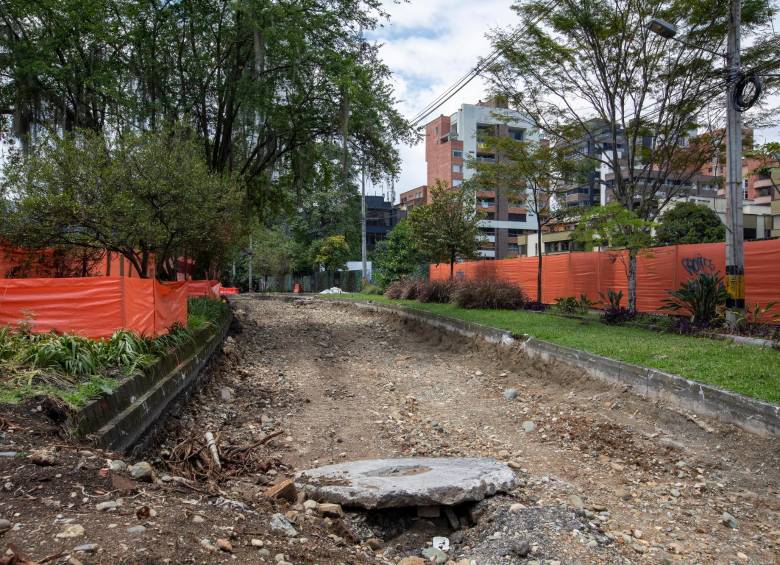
662, 28
735, 238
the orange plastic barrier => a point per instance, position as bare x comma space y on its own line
659, 269
210, 289
93, 307
228, 290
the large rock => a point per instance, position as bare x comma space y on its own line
393, 483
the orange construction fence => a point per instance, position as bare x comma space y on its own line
659, 269
94, 307
210, 289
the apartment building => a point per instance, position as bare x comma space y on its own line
412, 198
451, 140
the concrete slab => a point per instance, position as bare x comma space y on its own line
418, 481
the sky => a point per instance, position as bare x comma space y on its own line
428, 45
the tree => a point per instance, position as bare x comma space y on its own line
331, 253
144, 196
591, 76
688, 222
447, 228
616, 227
535, 175
396, 256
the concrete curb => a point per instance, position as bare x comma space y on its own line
752, 415
120, 420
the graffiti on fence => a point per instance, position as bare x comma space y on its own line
698, 264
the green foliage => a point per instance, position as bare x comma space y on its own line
77, 369
614, 312
446, 229
331, 253
615, 227
204, 312
573, 305
488, 294
144, 196
688, 222
397, 256
699, 298
371, 289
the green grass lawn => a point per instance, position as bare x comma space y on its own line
749, 370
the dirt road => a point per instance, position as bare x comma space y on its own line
605, 476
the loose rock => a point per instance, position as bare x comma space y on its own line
282, 525
434, 554
510, 393
71, 531
528, 426
141, 471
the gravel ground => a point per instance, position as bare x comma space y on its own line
604, 476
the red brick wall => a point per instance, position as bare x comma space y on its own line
438, 154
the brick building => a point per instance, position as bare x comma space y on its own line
451, 140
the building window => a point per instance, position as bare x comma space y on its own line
457, 153
456, 182
457, 169
517, 134
516, 217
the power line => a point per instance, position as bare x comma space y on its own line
471, 74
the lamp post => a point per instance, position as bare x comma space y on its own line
735, 258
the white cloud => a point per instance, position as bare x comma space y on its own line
429, 44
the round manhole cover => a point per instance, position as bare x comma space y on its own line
393, 483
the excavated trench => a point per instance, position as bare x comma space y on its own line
304, 384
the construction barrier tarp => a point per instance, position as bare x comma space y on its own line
95, 306
659, 269
209, 289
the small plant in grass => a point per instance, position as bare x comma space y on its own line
436, 291
614, 312
202, 312
534, 306
699, 298
573, 305
488, 294
758, 321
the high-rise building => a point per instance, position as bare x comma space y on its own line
451, 140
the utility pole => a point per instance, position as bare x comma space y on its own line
250, 255
363, 246
735, 258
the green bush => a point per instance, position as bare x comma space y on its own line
488, 294
614, 313
202, 311
371, 289
699, 298
573, 305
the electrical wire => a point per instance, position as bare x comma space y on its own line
493, 56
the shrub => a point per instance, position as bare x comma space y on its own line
436, 291
573, 305
614, 313
699, 298
371, 289
488, 294
404, 289
535, 306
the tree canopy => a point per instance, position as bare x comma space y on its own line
688, 222
287, 98
446, 229
396, 256
146, 196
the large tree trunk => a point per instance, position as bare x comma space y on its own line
539, 268
632, 254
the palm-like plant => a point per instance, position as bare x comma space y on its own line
699, 298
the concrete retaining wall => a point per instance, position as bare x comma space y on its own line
120, 420
752, 415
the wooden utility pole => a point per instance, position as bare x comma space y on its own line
363, 245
